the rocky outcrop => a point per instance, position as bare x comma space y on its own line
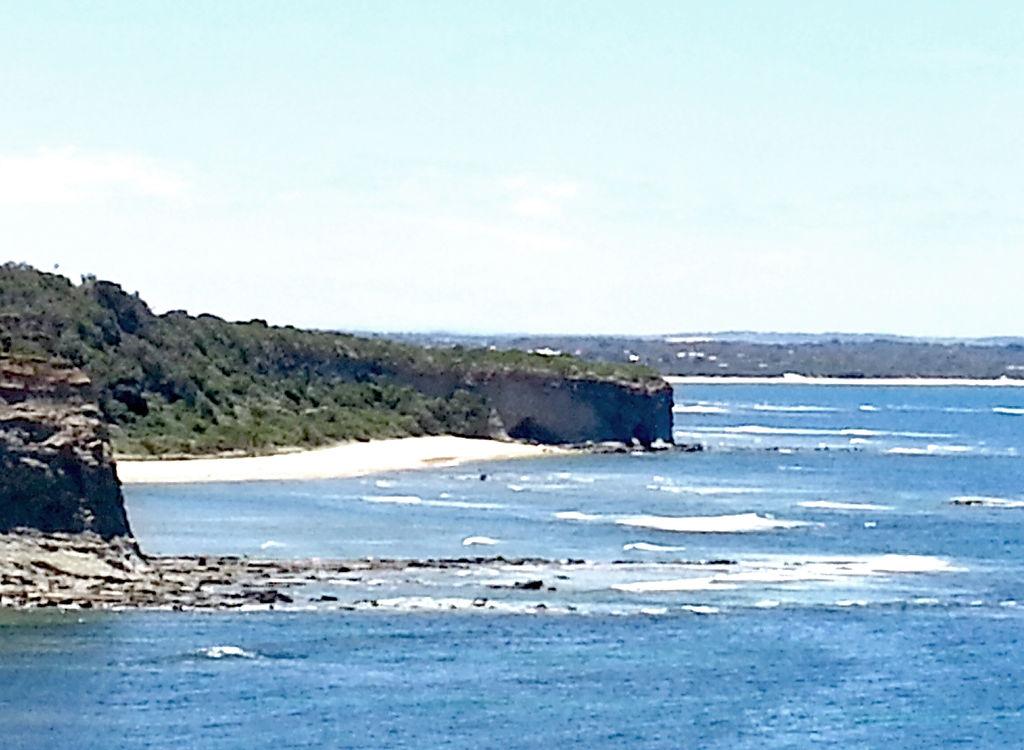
56, 465
560, 410
84, 571
541, 407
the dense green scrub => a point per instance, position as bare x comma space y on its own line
175, 383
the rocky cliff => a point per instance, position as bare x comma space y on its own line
56, 465
550, 410
543, 408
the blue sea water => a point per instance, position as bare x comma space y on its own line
865, 610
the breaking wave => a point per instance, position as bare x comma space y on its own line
728, 524
832, 505
417, 500
986, 501
650, 547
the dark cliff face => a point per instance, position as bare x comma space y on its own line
56, 465
547, 410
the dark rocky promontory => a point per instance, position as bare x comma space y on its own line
56, 465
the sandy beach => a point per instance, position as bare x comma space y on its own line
793, 379
345, 460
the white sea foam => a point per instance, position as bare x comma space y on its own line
894, 563
672, 585
416, 500
384, 483
834, 570
760, 429
271, 544
1009, 411
654, 611
930, 450
226, 652
727, 524
576, 515
698, 409
470, 541
649, 547
467, 505
704, 491
516, 487
793, 409
986, 501
767, 603
867, 407
832, 505
394, 499
700, 609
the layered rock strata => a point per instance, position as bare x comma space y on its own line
56, 466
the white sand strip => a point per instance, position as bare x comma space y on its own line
794, 379
344, 460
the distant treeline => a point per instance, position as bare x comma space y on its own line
860, 357
175, 383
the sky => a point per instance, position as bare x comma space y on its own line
486, 167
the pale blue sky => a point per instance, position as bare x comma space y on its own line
528, 166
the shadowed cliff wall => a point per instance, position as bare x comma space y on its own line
56, 465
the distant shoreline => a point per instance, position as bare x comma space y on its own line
792, 379
334, 462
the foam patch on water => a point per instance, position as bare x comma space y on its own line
1011, 411
650, 547
394, 499
709, 583
758, 429
833, 505
487, 541
895, 563
417, 500
271, 544
930, 450
577, 515
986, 501
698, 409
700, 609
728, 524
226, 652
704, 491
789, 573
793, 409
654, 611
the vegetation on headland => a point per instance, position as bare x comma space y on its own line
174, 383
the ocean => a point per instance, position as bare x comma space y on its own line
841, 567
